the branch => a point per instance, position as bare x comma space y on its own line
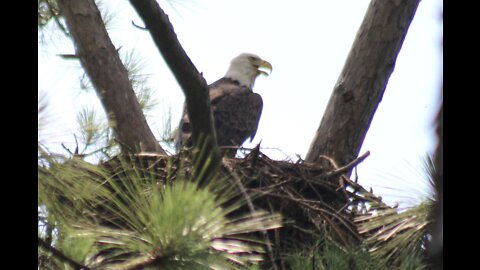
251, 207
347, 167
108, 75
137, 263
363, 80
58, 254
190, 80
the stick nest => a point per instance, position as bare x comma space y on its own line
313, 199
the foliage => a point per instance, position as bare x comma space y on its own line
398, 243
177, 225
327, 254
399, 238
139, 80
92, 129
47, 11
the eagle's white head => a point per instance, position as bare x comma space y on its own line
245, 69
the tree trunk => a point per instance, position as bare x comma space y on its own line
362, 82
109, 76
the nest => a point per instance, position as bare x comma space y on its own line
312, 198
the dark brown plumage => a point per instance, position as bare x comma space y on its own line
235, 107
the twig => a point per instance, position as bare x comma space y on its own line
319, 210
68, 150
277, 242
347, 167
254, 153
251, 207
69, 56
138, 26
58, 254
55, 15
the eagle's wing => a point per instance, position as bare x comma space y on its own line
237, 112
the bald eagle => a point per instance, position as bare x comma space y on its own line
236, 108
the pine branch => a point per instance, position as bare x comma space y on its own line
59, 255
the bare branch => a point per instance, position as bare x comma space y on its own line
190, 80
347, 167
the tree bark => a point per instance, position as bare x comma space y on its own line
363, 80
190, 80
109, 76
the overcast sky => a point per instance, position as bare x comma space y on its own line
307, 43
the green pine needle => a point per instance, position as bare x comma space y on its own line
177, 225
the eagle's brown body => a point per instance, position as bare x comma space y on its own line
236, 110
235, 107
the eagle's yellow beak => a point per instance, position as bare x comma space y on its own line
265, 65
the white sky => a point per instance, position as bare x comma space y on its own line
307, 43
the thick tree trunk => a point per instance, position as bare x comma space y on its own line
362, 82
109, 76
191, 81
